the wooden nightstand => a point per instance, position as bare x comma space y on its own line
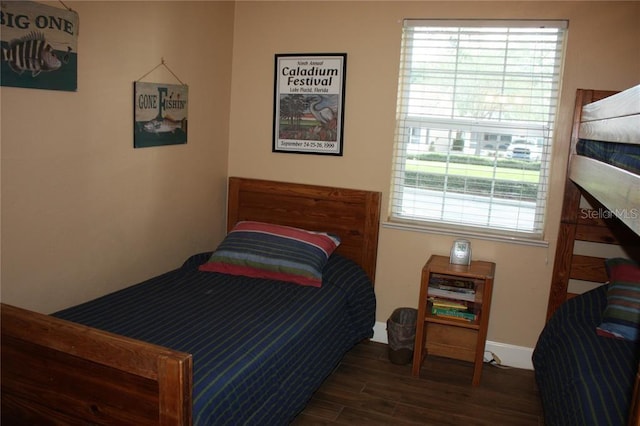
456, 333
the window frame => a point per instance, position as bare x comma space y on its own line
407, 131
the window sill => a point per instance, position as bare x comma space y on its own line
465, 233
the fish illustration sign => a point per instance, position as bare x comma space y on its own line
160, 114
39, 46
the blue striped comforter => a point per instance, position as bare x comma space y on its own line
624, 156
260, 348
584, 379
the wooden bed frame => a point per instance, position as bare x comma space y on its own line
58, 372
607, 189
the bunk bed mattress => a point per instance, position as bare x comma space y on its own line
260, 347
623, 155
583, 378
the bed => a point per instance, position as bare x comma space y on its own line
584, 377
195, 346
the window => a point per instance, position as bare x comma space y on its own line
476, 107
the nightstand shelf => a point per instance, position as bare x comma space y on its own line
443, 333
454, 322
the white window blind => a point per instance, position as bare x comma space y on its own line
476, 107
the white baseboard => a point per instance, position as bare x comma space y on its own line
510, 355
380, 332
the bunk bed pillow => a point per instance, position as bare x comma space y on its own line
621, 317
264, 250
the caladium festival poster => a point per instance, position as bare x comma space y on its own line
39, 46
309, 103
160, 114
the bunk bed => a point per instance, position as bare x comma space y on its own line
585, 373
200, 346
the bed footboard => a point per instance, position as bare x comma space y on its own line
59, 372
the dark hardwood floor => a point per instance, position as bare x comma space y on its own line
367, 389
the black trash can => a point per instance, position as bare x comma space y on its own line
401, 334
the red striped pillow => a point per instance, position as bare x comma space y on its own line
621, 317
264, 250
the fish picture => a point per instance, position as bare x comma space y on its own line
38, 46
31, 53
160, 114
164, 125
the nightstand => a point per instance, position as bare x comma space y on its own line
453, 312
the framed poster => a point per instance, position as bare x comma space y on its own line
160, 114
39, 46
309, 103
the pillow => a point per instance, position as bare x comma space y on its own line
621, 317
264, 250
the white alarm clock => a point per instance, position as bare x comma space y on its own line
460, 252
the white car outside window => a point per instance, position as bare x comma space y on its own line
523, 150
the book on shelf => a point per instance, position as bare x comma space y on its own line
446, 303
453, 313
451, 282
456, 289
448, 294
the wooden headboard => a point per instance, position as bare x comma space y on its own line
351, 214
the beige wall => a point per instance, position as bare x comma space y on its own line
83, 213
603, 51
